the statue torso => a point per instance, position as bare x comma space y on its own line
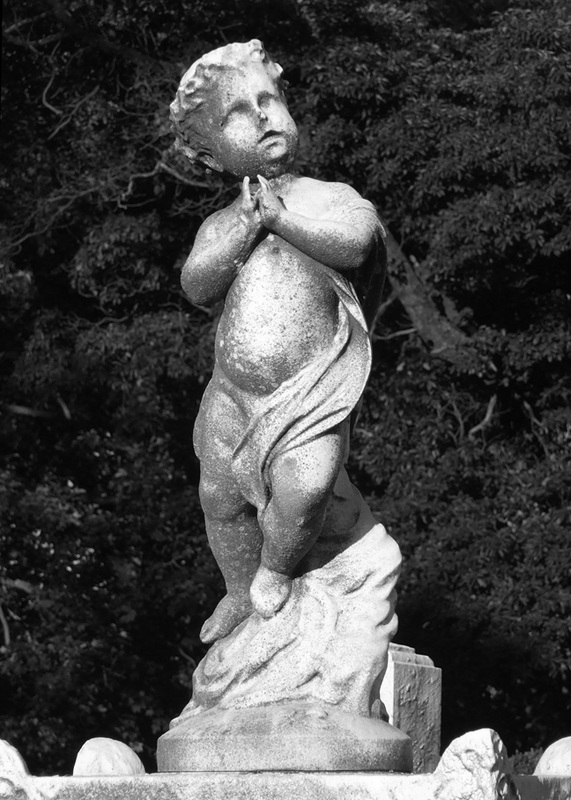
281, 311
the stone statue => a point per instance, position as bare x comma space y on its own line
300, 640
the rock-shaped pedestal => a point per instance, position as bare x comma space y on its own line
299, 691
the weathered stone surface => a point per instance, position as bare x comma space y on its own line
269, 786
292, 359
556, 760
295, 736
292, 350
102, 756
13, 773
236, 786
475, 767
11, 762
471, 768
310, 575
411, 694
329, 642
325, 648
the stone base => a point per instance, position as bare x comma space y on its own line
292, 736
273, 786
474, 767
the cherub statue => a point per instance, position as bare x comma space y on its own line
292, 347
300, 641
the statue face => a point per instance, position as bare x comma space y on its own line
252, 131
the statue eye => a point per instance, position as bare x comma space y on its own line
239, 108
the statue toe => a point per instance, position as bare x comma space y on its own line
229, 613
269, 591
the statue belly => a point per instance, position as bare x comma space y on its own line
281, 312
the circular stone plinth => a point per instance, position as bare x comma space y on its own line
291, 736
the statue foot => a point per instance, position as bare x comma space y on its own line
269, 591
229, 613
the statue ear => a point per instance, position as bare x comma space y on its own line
209, 161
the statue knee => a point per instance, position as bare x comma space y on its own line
219, 498
300, 501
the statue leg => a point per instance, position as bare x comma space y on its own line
302, 482
236, 542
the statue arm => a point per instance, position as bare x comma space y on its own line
222, 246
341, 240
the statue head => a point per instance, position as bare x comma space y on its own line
230, 113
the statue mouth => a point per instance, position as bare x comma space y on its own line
271, 135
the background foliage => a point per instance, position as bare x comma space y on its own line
454, 121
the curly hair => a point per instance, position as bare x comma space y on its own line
189, 111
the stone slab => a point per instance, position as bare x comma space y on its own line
411, 692
474, 767
266, 786
233, 786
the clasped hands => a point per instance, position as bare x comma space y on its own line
262, 208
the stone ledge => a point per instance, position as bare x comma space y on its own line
230, 786
474, 767
272, 786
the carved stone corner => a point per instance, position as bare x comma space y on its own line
475, 767
411, 692
14, 773
556, 760
104, 756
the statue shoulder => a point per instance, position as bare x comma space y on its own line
338, 200
333, 190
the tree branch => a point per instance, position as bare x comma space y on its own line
442, 338
182, 178
5, 628
69, 117
21, 22
393, 297
91, 36
395, 335
57, 111
487, 419
25, 411
536, 426
458, 415
23, 586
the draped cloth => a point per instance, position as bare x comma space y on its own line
319, 397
